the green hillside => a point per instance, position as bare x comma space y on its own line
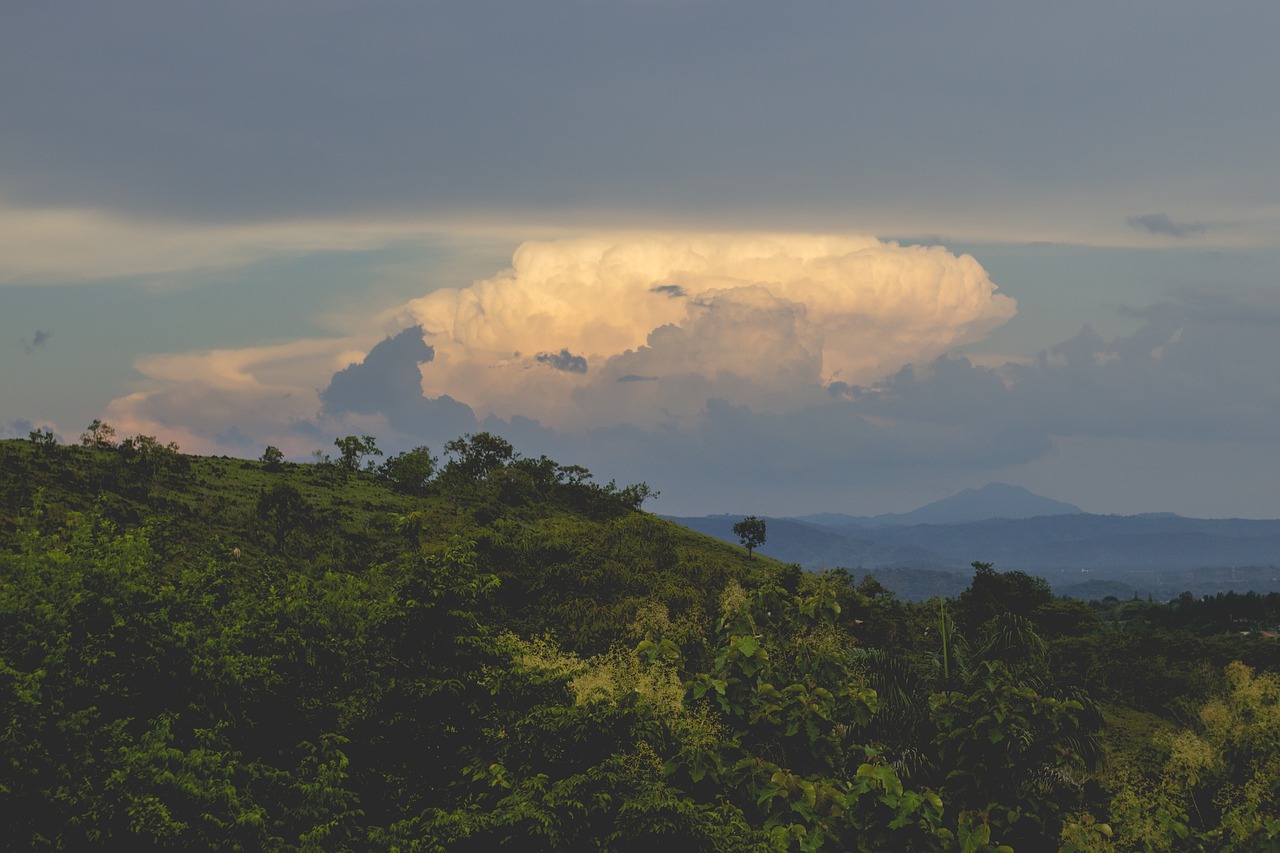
489, 651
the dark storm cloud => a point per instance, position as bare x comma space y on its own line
563, 360
388, 382
16, 429
1160, 223
675, 291
237, 110
233, 436
1200, 367
389, 370
39, 339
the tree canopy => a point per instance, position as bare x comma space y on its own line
751, 532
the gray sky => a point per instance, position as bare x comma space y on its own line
209, 211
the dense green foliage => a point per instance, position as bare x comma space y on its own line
202, 653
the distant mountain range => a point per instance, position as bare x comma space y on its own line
1015, 529
994, 500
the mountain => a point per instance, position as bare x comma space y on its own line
1154, 553
1096, 542
994, 500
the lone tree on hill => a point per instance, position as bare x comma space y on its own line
751, 532
272, 458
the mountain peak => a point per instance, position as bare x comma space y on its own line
994, 500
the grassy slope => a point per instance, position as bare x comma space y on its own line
579, 575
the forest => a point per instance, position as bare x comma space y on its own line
478, 650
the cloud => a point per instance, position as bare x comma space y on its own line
296, 396
262, 118
1199, 368
388, 372
762, 324
388, 381
761, 320
231, 400
1160, 223
16, 429
742, 345
1193, 382
563, 360
734, 393
48, 245
39, 339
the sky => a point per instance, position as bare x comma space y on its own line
768, 258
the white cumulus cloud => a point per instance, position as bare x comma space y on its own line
585, 334
665, 322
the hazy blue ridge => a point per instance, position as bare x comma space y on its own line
816, 547
1079, 553
994, 500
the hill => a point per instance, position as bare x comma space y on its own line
214, 653
536, 524
497, 653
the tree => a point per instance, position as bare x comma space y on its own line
43, 438
100, 434
45, 441
992, 593
475, 457
283, 510
631, 497
354, 448
409, 472
751, 532
793, 703
272, 458
145, 455
1218, 781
